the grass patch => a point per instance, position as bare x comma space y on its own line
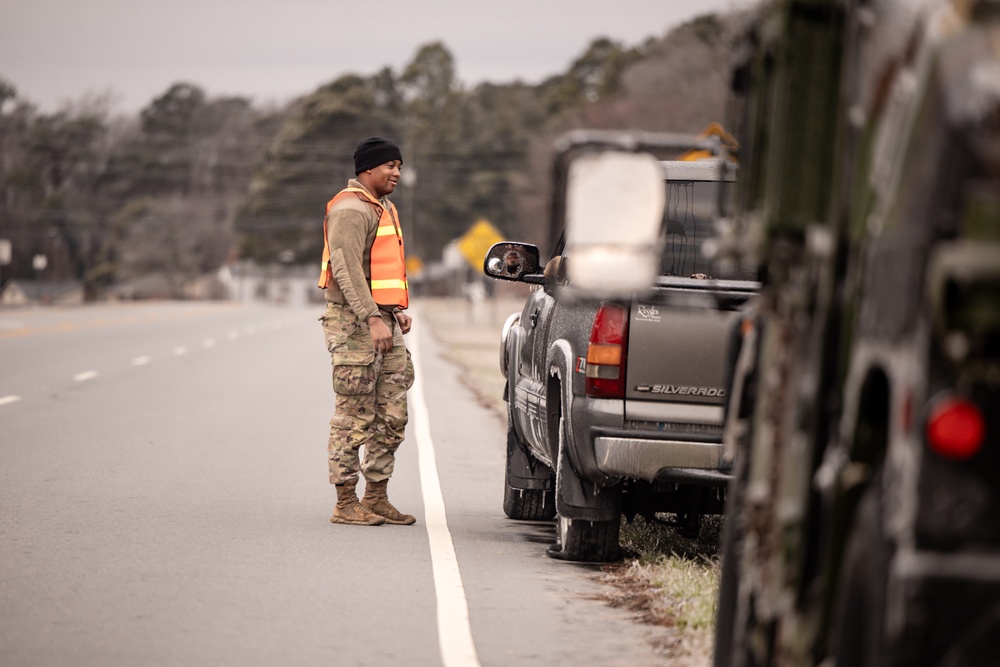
672, 582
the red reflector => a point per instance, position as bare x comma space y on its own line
955, 428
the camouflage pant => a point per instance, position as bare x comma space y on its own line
370, 394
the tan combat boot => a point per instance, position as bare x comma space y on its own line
349, 510
377, 501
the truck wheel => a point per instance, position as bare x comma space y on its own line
528, 504
741, 636
689, 525
729, 581
524, 504
859, 638
587, 541
579, 539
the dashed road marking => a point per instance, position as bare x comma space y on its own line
141, 360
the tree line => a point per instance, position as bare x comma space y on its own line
196, 181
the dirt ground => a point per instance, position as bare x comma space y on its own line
471, 333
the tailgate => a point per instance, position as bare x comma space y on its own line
677, 351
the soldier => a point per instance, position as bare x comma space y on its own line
364, 276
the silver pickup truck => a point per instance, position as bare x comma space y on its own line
616, 406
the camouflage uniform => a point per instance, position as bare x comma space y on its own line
370, 393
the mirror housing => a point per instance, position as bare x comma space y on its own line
513, 261
614, 209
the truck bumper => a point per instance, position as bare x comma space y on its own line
661, 460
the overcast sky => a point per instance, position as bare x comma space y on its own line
55, 51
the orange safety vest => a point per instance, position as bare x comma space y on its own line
388, 266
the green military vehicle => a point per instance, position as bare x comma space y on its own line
864, 416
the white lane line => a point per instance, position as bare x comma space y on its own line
233, 335
209, 342
4, 400
179, 350
454, 631
85, 375
141, 361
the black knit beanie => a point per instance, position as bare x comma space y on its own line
374, 151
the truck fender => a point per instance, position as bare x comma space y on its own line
560, 363
579, 448
513, 320
576, 498
509, 354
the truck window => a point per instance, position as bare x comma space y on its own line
688, 217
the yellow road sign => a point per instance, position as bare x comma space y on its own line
477, 241
414, 265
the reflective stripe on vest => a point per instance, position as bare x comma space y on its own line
387, 266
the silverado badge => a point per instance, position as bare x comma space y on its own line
680, 390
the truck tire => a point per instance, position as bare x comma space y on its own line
528, 504
581, 540
522, 504
689, 525
859, 617
729, 580
587, 541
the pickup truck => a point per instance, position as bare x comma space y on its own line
615, 406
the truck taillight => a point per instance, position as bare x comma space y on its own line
605, 376
955, 428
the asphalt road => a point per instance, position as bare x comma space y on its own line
164, 501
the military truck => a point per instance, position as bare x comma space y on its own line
864, 520
615, 404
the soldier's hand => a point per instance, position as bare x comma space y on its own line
381, 336
404, 321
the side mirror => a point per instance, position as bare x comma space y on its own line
512, 261
614, 209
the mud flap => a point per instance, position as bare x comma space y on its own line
579, 499
523, 472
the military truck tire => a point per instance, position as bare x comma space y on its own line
729, 582
859, 617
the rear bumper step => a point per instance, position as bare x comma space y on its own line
644, 459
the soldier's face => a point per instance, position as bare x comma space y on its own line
385, 177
